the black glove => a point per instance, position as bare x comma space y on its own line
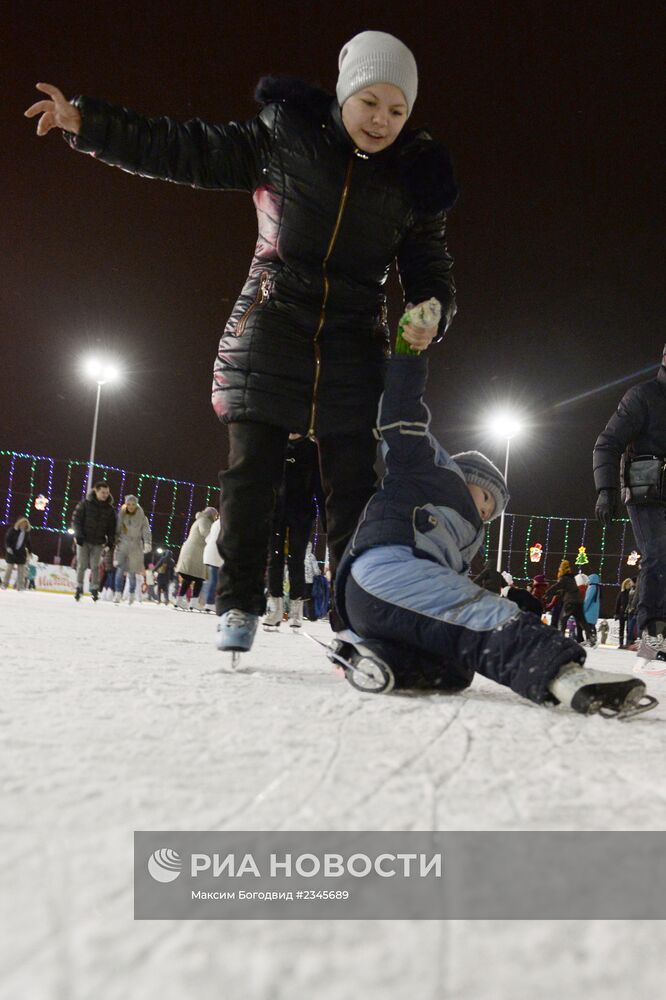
606, 508
80, 540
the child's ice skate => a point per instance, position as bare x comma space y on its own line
651, 652
363, 665
235, 633
274, 613
594, 691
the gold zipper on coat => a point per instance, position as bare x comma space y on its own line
322, 314
259, 299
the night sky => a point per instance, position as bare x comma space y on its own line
553, 114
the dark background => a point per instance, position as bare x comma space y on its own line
553, 114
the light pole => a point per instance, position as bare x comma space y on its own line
102, 372
504, 425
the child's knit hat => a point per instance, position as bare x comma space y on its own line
476, 468
376, 57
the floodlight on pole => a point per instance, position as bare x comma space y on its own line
504, 425
101, 371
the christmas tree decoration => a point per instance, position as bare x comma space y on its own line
581, 558
41, 502
633, 557
536, 551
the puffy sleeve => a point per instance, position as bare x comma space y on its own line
203, 155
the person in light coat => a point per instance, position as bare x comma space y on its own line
190, 566
133, 540
212, 562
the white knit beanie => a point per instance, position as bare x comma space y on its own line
376, 57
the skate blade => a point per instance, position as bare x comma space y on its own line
365, 675
628, 711
648, 668
611, 700
235, 659
369, 676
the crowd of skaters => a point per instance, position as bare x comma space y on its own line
115, 546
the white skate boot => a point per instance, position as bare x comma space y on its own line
296, 613
594, 691
274, 614
651, 652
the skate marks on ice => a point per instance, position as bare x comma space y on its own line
164, 741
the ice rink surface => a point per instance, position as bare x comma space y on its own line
115, 719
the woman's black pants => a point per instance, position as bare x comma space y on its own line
249, 488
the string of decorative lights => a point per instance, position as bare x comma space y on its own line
619, 562
31, 491
9, 487
49, 492
527, 546
24, 475
508, 560
189, 512
545, 555
154, 503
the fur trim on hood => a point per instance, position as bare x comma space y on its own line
289, 88
424, 164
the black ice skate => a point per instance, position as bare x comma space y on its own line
363, 665
593, 692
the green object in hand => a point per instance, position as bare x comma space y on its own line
425, 314
401, 345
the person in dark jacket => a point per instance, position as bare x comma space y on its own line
94, 523
164, 570
621, 603
632, 447
17, 547
572, 600
415, 617
293, 522
632, 614
342, 190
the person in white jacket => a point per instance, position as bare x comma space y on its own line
212, 562
190, 566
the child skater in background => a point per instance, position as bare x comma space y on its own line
416, 619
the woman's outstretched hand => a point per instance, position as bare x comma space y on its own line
55, 113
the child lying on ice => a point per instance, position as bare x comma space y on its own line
416, 618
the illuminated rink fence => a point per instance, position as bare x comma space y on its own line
27, 480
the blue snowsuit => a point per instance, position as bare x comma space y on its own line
403, 581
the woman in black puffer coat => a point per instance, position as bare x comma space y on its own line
342, 191
572, 600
